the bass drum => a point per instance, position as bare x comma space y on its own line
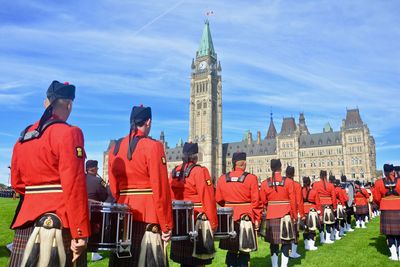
350, 191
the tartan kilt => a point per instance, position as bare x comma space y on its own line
21, 237
138, 230
374, 206
231, 244
273, 234
390, 222
181, 252
361, 210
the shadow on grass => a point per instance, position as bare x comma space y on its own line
4, 252
380, 245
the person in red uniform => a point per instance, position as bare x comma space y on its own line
374, 206
191, 182
361, 202
341, 196
278, 196
300, 208
327, 194
341, 201
138, 177
48, 169
311, 202
387, 196
238, 189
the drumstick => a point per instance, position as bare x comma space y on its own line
165, 253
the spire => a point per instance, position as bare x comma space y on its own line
302, 124
206, 45
271, 134
180, 143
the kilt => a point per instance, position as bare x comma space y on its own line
181, 252
362, 210
390, 222
138, 230
231, 244
273, 234
21, 237
374, 206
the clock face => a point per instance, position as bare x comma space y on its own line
203, 65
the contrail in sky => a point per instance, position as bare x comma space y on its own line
158, 17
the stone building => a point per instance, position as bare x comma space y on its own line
349, 151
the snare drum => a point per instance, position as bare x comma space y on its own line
183, 220
111, 227
225, 223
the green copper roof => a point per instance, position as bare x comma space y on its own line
206, 45
327, 128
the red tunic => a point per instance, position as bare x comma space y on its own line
386, 202
57, 157
279, 202
361, 196
198, 188
299, 198
142, 182
341, 196
244, 197
313, 200
326, 192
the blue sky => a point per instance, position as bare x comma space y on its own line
316, 57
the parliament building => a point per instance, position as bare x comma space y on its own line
349, 151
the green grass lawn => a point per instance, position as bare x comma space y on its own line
363, 247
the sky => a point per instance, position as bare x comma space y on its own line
285, 57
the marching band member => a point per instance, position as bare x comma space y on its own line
327, 194
361, 201
278, 196
191, 182
138, 177
341, 200
238, 189
342, 197
300, 208
48, 169
312, 211
387, 191
96, 189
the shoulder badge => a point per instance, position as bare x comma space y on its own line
79, 152
208, 182
163, 160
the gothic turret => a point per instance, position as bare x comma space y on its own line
271, 134
302, 124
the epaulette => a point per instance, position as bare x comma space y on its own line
239, 179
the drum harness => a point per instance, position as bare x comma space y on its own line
391, 186
178, 174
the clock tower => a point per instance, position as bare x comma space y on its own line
206, 105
